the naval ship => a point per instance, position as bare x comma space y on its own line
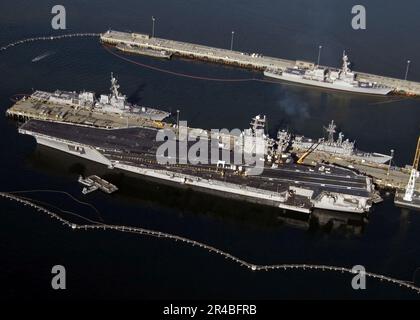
340, 147
281, 184
343, 79
162, 54
114, 102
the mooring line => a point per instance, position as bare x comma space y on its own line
179, 74
46, 204
61, 192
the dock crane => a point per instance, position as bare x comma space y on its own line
409, 190
309, 151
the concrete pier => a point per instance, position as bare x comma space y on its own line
196, 51
236, 58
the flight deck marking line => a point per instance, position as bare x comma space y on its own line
317, 173
309, 178
319, 184
357, 185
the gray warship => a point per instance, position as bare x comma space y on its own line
162, 54
339, 147
114, 102
343, 79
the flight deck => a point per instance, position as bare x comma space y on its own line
134, 149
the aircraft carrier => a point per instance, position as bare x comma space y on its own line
284, 185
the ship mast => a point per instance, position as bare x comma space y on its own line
114, 86
258, 122
346, 63
331, 130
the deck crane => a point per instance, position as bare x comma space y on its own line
411, 185
309, 151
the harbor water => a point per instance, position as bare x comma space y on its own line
108, 264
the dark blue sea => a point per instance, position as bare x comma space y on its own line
112, 265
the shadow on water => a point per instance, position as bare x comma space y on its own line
139, 191
135, 96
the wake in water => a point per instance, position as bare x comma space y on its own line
43, 56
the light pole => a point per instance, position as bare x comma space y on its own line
231, 41
153, 27
319, 54
390, 162
406, 70
177, 123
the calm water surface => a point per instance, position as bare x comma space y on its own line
113, 265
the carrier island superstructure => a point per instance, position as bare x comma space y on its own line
304, 72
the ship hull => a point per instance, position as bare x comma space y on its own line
331, 86
76, 149
211, 187
289, 187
